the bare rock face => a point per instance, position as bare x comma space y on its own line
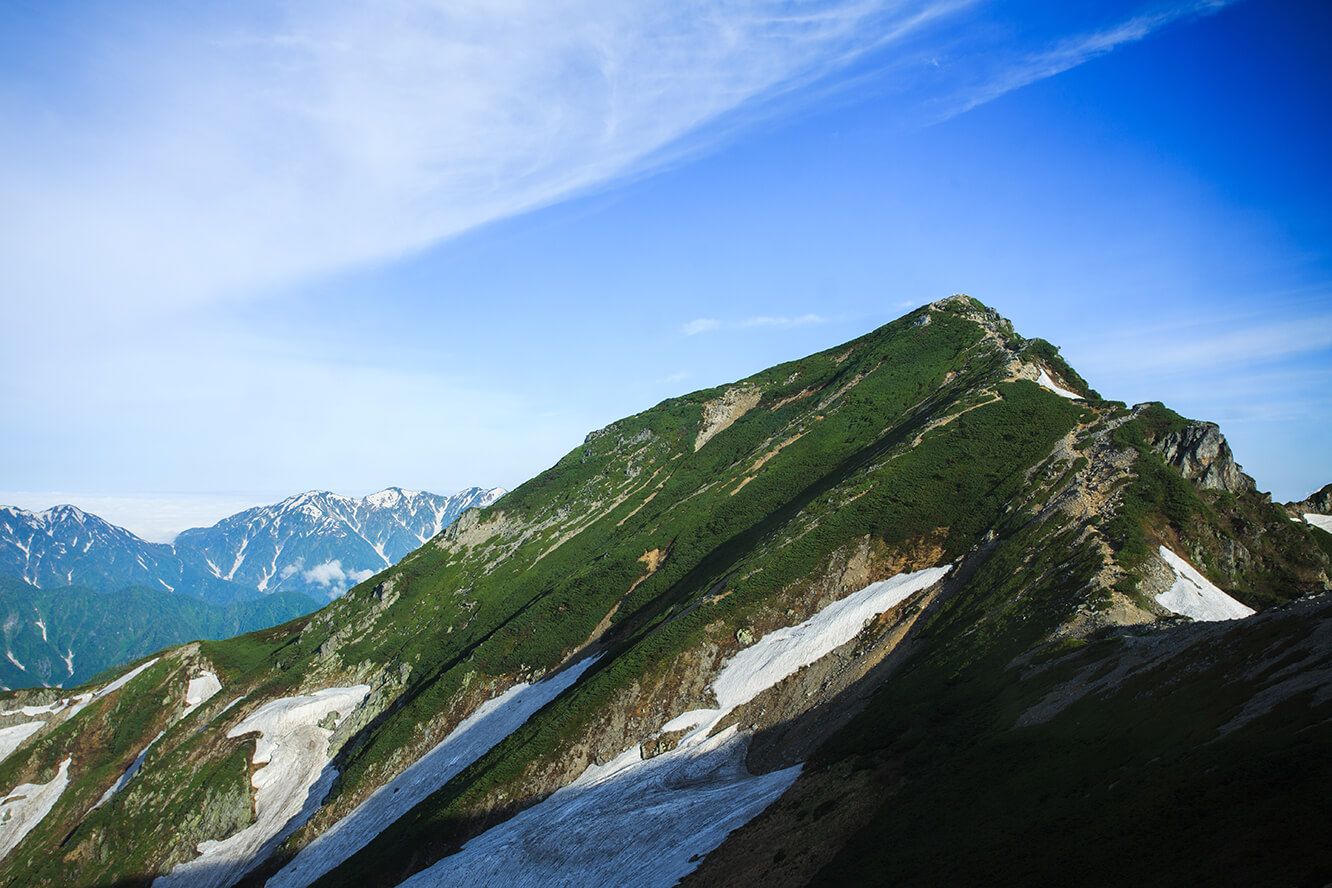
1319, 503
1201, 454
720, 414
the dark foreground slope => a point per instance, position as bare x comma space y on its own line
672, 540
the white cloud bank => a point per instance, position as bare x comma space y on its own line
330, 574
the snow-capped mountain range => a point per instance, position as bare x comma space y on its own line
322, 542
318, 543
66, 546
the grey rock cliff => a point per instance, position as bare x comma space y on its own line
1201, 454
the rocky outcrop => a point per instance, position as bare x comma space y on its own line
1201, 454
1319, 503
720, 414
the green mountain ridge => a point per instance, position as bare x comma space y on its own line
672, 540
66, 636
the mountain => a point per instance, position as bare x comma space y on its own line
1316, 509
320, 543
65, 546
920, 608
107, 597
316, 543
67, 635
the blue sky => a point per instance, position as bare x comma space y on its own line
248, 249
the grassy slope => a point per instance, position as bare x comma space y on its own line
853, 473
456, 620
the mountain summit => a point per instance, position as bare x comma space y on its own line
921, 608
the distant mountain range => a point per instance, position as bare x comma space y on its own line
316, 543
79, 595
320, 543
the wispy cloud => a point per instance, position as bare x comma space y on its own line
275, 147
1197, 348
1069, 53
767, 321
708, 325
700, 325
348, 133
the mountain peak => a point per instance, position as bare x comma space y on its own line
390, 496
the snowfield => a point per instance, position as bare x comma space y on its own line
1323, 522
474, 737
1193, 595
1048, 382
14, 735
25, 806
647, 823
294, 778
200, 691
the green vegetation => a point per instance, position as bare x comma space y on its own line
1277, 562
99, 631
851, 473
1049, 355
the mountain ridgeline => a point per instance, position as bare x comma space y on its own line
315, 543
79, 595
884, 614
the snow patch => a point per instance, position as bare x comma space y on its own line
294, 779
41, 626
1046, 381
10, 655
26, 804
124, 679
1193, 595
200, 691
385, 499
648, 823
1323, 522
12, 737
474, 737
129, 772
38, 710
